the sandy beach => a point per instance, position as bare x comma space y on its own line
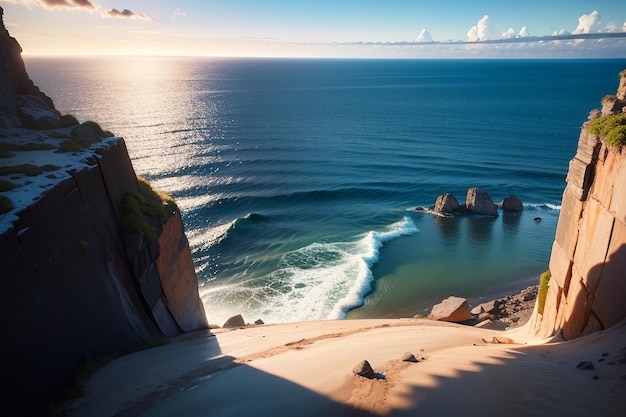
306, 369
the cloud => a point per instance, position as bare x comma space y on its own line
424, 36
177, 13
86, 5
561, 32
508, 34
126, 14
589, 23
59, 4
523, 32
484, 30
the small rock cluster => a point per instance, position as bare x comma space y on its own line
234, 322
511, 310
365, 370
476, 202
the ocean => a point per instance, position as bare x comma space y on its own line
298, 179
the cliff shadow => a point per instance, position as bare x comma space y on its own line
598, 296
517, 380
193, 377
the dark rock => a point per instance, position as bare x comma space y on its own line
235, 321
585, 366
365, 370
529, 293
35, 113
446, 204
14, 81
453, 309
480, 202
85, 135
259, 322
409, 357
512, 203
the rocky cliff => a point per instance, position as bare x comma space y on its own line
75, 283
587, 288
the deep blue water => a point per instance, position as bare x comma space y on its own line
297, 179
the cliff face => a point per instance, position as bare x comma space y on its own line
587, 289
19, 97
73, 285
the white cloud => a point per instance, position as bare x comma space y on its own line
510, 34
177, 14
484, 30
86, 5
561, 32
523, 33
126, 14
624, 27
424, 36
589, 23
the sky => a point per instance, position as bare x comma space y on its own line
321, 28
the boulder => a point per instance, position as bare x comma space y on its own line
84, 134
484, 307
480, 202
446, 203
235, 321
453, 309
512, 203
35, 113
365, 370
409, 357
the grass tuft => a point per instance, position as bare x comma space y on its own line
544, 279
69, 120
137, 207
26, 169
612, 128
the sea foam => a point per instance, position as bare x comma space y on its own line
323, 280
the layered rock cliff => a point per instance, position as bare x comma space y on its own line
587, 288
75, 284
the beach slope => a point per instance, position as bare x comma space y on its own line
306, 369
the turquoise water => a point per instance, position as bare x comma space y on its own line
297, 179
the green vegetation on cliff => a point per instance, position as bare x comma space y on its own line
544, 279
6, 148
138, 208
26, 169
612, 128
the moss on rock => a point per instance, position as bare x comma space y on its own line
139, 206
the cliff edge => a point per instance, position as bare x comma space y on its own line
587, 285
83, 275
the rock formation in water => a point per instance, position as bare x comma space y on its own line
587, 288
75, 283
477, 201
446, 204
512, 203
480, 202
